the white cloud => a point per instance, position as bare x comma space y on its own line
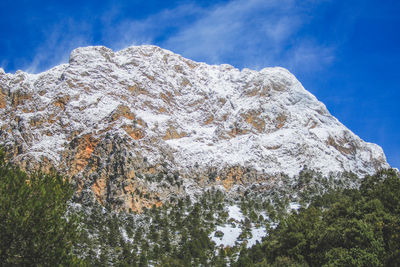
130, 32
254, 34
244, 33
59, 41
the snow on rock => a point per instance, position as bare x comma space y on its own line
294, 206
257, 235
235, 213
166, 109
230, 235
231, 231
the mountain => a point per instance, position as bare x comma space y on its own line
133, 128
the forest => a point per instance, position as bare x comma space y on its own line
339, 221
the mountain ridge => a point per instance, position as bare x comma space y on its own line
111, 119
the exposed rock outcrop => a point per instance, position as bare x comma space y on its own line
138, 126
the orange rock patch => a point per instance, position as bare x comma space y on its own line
167, 97
98, 189
162, 110
254, 119
172, 133
137, 90
340, 146
233, 177
86, 146
209, 120
122, 111
62, 101
150, 77
3, 97
185, 82
191, 64
280, 121
18, 98
135, 133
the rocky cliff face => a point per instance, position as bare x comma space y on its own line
138, 126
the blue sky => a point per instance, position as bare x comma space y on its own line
347, 53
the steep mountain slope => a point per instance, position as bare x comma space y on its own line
137, 125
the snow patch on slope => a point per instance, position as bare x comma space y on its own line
232, 231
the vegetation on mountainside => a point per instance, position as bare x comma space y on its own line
351, 227
342, 225
343, 221
176, 234
33, 227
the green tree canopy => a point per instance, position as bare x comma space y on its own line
352, 227
34, 229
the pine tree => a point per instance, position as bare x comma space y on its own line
34, 228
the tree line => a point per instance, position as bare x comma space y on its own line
337, 226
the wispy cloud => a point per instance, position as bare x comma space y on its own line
245, 33
153, 29
111, 30
253, 34
59, 40
308, 54
3, 64
241, 29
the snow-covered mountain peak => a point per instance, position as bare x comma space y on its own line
145, 110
